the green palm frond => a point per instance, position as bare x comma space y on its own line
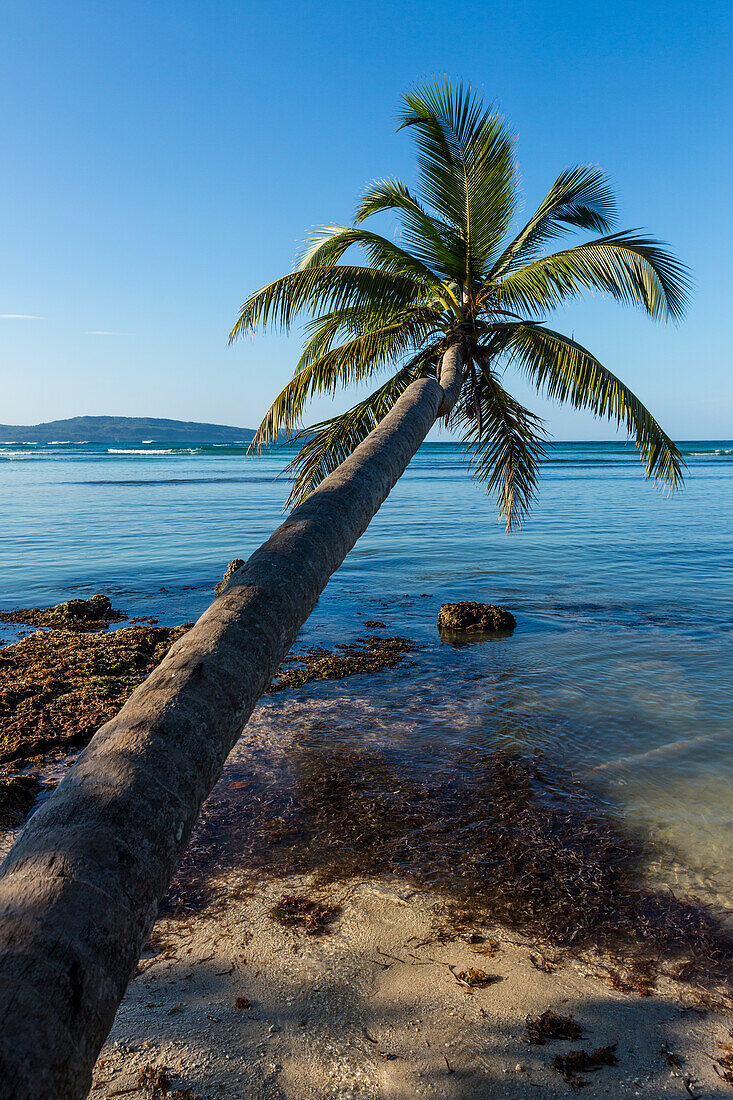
323, 332
428, 238
506, 443
329, 443
466, 162
330, 244
566, 371
580, 198
331, 287
633, 269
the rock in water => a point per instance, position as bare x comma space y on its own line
77, 615
232, 568
471, 617
97, 609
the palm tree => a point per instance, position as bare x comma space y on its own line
455, 277
80, 888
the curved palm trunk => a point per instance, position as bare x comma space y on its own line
80, 889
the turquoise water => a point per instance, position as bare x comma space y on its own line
620, 664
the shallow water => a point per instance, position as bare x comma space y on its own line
619, 668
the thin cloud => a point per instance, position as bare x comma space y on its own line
20, 317
102, 333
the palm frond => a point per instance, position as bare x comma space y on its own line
428, 238
632, 269
328, 287
350, 362
324, 331
466, 161
505, 441
580, 198
330, 244
566, 371
329, 443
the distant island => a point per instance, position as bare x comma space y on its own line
123, 429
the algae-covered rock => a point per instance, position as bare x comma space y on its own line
232, 568
468, 616
57, 687
78, 615
370, 654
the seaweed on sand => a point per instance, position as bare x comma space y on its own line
583, 1061
297, 910
507, 839
723, 1064
551, 1026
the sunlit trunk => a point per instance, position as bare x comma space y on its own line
80, 889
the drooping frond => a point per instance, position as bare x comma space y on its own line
505, 441
566, 371
632, 269
325, 331
320, 288
329, 443
466, 162
350, 362
580, 198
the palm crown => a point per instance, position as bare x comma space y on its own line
457, 276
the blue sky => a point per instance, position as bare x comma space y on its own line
162, 160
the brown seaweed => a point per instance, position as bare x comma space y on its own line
551, 1026
508, 840
370, 654
297, 910
58, 687
575, 1062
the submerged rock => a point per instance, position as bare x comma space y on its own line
78, 615
370, 654
471, 617
232, 568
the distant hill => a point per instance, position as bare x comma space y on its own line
123, 429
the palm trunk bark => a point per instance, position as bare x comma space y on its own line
80, 888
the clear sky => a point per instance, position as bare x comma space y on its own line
162, 160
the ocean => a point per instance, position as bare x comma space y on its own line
619, 670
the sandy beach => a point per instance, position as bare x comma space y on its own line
234, 1004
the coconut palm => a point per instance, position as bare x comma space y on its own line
80, 887
456, 275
